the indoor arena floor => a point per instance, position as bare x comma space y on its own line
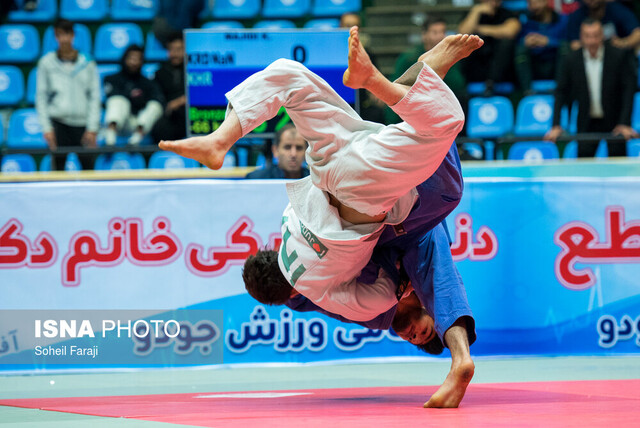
505, 392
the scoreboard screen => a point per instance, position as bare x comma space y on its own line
218, 60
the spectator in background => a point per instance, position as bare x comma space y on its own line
537, 51
499, 28
289, 149
68, 97
170, 80
602, 79
174, 16
434, 29
134, 103
618, 24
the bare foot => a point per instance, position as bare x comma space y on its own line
360, 69
450, 50
451, 392
211, 149
203, 149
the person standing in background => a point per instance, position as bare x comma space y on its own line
68, 97
602, 79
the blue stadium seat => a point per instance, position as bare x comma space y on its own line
133, 10
474, 150
235, 9
633, 148
168, 160
19, 43
335, 7
19, 162
112, 40
229, 161
84, 10
543, 85
635, 113
323, 24
533, 151
72, 163
223, 25
515, 5
571, 150
81, 41
569, 118
534, 115
105, 70
285, 8
149, 70
275, 24
153, 49
119, 161
489, 117
45, 163
11, 85
25, 130
500, 88
31, 86
45, 12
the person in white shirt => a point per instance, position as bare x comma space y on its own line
68, 97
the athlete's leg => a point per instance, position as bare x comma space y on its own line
439, 288
452, 391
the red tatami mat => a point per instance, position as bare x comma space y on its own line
611, 404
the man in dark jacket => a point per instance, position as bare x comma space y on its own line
602, 79
170, 81
288, 150
134, 102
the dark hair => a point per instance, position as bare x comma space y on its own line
434, 346
63, 25
131, 48
590, 21
174, 36
264, 280
285, 128
431, 21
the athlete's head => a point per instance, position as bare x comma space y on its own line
63, 31
412, 323
263, 279
289, 148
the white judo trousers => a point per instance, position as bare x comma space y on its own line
367, 166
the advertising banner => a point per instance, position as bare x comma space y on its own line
551, 267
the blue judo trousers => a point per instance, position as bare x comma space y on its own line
422, 242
